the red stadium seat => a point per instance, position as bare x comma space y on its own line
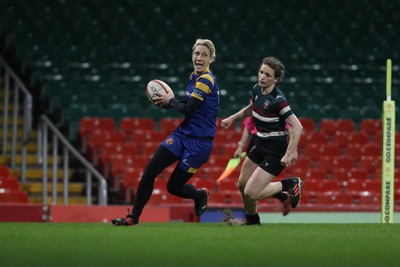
109, 150
315, 138
331, 186
166, 173
315, 151
330, 150
374, 185
355, 151
225, 148
218, 198
368, 198
344, 139
310, 173
358, 138
346, 125
96, 140
168, 125
234, 197
328, 127
308, 124
372, 149
303, 162
330, 164
8, 183
10, 191
332, 126
130, 125
131, 176
119, 163
115, 171
377, 138
209, 172
200, 183
127, 183
347, 174
286, 173
397, 146
226, 137
301, 146
99, 138
354, 186
160, 183
139, 137
371, 126
305, 199
89, 125
228, 185
360, 187
5, 171
397, 175
220, 161
148, 148
397, 195
371, 164
318, 186
160, 197
333, 199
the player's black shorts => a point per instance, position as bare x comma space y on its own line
268, 154
252, 142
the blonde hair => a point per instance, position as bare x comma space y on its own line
207, 43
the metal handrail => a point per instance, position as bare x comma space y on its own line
11, 79
44, 126
13, 83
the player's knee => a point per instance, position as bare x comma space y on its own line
251, 194
242, 186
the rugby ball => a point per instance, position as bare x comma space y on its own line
156, 88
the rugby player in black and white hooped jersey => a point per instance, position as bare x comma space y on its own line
272, 151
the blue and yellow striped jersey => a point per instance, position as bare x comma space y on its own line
270, 112
202, 123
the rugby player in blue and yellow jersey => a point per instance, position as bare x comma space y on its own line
190, 144
273, 150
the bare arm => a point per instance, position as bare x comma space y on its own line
243, 141
295, 131
243, 113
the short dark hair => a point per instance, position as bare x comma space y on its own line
276, 65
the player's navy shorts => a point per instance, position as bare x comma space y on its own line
268, 154
191, 151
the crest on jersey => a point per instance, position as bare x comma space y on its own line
169, 141
266, 103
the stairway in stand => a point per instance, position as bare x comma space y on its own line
34, 172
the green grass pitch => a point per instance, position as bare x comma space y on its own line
198, 244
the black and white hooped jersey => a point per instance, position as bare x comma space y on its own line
270, 112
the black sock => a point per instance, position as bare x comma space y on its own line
135, 215
286, 184
281, 196
253, 218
